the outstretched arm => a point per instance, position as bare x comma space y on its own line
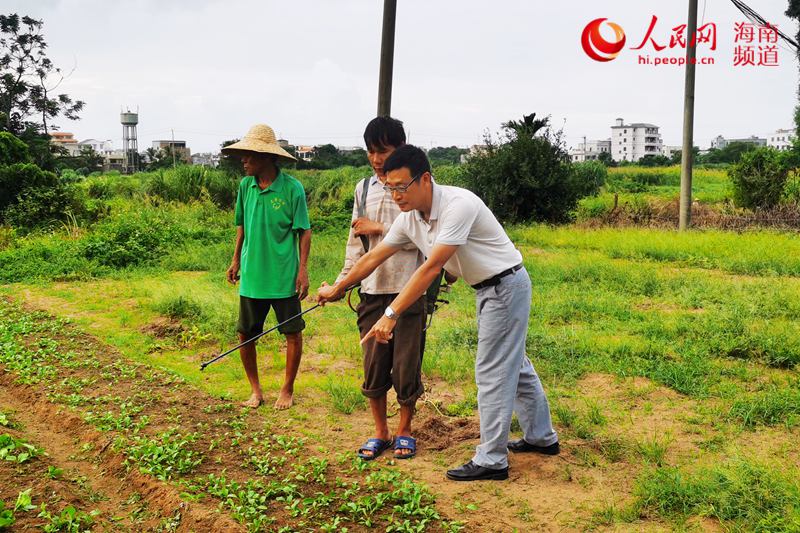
363, 268
413, 290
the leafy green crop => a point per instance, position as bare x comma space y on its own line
165, 456
16, 450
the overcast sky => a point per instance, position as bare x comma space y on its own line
211, 68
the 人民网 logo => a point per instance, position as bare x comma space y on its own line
596, 46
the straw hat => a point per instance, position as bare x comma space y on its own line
260, 139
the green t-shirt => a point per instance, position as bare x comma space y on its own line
270, 219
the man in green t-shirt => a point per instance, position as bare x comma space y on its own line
273, 239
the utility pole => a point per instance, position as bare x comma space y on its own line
685, 208
172, 146
387, 59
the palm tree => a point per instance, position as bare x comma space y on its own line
528, 126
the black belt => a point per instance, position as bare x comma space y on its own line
495, 280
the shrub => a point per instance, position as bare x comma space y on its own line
38, 207
759, 178
187, 183
178, 307
44, 259
591, 173
529, 176
791, 190
20, 176
12, 150
132, 238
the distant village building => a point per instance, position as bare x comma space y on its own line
114, 160
590, 150
180, 149
719, 142
669, 151
101, 147
66, 141
348, 149
206, 159
475, 149
631, 142
305, 153
781, 139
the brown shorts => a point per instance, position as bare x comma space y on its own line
399, 362
253, 313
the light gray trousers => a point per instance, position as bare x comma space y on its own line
505, 376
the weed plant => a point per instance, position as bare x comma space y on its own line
749, 496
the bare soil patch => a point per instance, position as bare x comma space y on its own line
163, 328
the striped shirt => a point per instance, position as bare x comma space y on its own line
392, 275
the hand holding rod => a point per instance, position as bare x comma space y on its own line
298, 315
220, 356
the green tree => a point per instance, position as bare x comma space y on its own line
654, 160
12, 150
230, 164
529, 175
606, 159
158, 158
731, 153
28, 79
759, 178
355, 158
16, 178
446, 156
677, 156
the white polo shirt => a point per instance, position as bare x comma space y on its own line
458, 218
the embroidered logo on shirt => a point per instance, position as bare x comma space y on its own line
277, 203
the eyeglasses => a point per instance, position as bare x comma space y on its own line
402, 189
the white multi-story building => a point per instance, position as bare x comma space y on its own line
670, 150
590, 150
719, 142
101, 147
631, 142
781, 139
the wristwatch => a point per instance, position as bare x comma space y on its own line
389, 312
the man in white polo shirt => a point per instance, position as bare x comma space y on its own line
455, 230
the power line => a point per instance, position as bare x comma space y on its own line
755, 18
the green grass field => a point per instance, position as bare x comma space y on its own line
670, 360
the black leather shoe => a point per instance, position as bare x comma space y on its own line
473, 472
522, 445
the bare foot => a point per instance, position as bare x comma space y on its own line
284, 400
254, 402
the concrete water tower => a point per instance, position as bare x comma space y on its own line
130, 144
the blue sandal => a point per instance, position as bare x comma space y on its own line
376, 446
405, 443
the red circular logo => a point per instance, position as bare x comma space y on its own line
596, 46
